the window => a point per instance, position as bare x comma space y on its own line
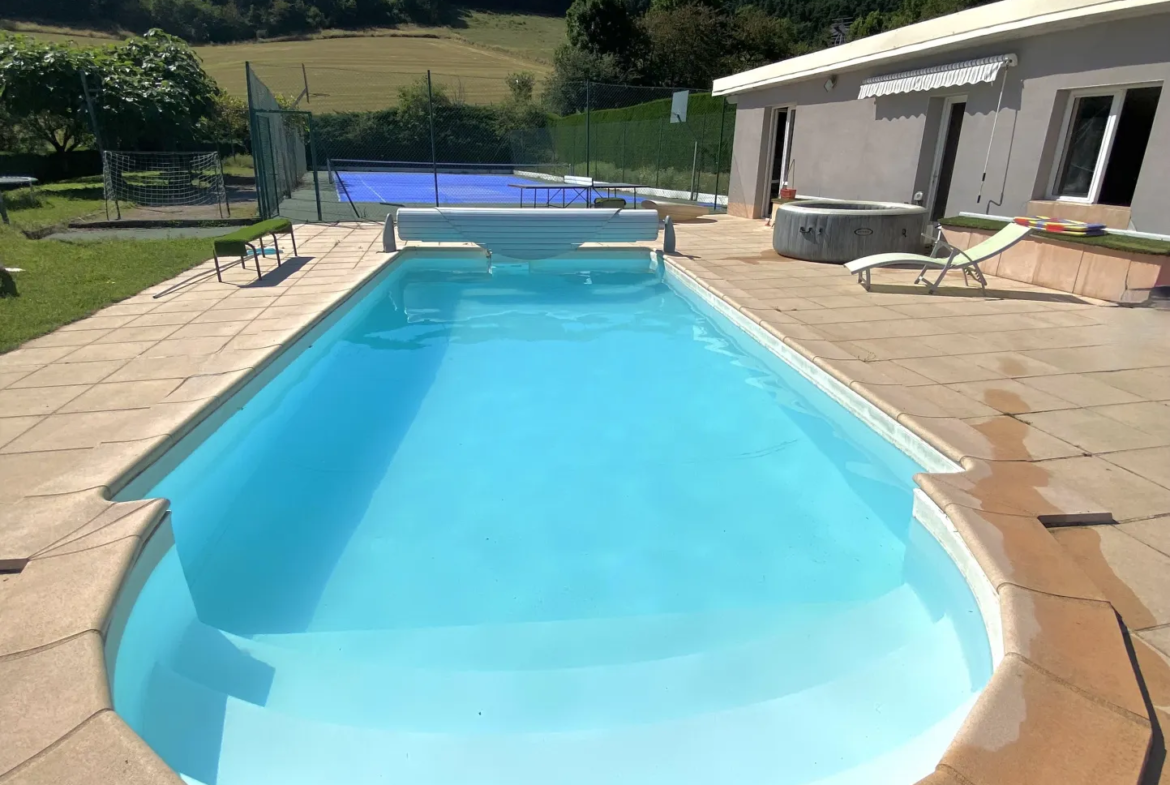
1104, 139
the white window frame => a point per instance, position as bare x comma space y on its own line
1118, 95
940, 147
773, 119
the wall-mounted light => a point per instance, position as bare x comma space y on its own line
830, 83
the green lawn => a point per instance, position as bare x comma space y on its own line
62, 282
55, 204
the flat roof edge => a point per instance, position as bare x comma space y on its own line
775, 74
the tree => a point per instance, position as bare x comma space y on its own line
151, 93
688, 44
605, 27
564, 92
40, 90
759, 38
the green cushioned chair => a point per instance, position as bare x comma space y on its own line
243, 243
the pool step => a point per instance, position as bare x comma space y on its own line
464, 696
580, 642
818, 735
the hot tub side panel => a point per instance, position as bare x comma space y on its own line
840, 237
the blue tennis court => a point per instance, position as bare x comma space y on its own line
419, 187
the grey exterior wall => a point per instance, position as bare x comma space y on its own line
883, 148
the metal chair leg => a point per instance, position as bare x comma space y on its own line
218, 275
276, 247
293, 235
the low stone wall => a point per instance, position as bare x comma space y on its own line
1117, 276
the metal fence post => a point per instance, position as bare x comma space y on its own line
313, 156
588, 151
257, 147
719, 154
97, 136
434, 159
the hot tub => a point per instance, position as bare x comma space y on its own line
830, 231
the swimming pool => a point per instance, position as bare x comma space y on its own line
558, 522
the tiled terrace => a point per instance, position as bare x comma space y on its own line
1055, 406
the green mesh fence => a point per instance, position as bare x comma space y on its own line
369, 143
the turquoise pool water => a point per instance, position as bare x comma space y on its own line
544, 528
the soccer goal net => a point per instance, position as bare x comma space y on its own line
164, 180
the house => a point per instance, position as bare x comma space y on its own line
1041, 107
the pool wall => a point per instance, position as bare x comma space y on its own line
926, 512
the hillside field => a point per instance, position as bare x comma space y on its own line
356, 70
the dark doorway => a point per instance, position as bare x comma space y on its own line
952, 126
1129, 145
779, 144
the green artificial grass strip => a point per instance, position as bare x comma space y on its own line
1113, 242
62, 282
234, 244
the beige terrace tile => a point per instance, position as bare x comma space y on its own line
1017, 550
107, 351
136, 334
1115, 356
164, 319
1077, 640
102, 750
74, 431
1134, 576
1091, 431
1152, 384
876, 372
36, 522
57, 597
127, 309
1080, 389
11, 427
69, 374
948, 370
997, 438
47, 694
229, 315
1029, 729
22, 471
97, 323
121, 395
99, 467
871, 313
1012, 488
183, 367
209, 330
65, 338
23, 401
928, 400
8, 377
1012, 364
1154, 532
1123, 493
1148, 417
1011, 397
186, 347
1153, 464
19, 358
199, 388
119, 521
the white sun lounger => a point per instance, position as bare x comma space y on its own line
967, 261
